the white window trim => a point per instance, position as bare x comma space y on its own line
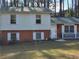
34, 35
75, 30
38, 18
69, 29
9, 36
18, 36
15, 20
42, 36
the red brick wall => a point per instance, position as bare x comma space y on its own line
59, 31
77, 27
25, 35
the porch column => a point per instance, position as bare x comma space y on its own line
75, 30
62, 31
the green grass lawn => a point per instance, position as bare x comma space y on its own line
42, 50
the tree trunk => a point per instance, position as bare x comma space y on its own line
47, 3
32, 3
3, 2
75, 8
11, 4
44, 3
78, 8
38, 5
68, 5
15, 3
28, 3
25, 3
72, 7
61, 7
55, 7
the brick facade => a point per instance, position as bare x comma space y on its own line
77, 27
25, 35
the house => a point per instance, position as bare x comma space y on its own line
31, 23
65, 28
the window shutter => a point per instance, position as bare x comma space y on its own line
9, 36
34, 35
18, 36
42, 35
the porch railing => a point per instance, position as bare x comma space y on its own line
77, 35
70, 35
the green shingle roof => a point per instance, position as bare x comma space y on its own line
26, 10
65, 20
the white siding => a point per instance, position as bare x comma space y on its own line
53, 31
25, 22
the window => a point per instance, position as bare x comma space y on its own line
66, 28
38, 19
69, 29
13, 36
13, 19
38, 35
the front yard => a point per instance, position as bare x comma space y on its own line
42, 50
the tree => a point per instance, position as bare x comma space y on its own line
24, 2
72, 6
60, 7
48, 2
44, 3
11, 3
78, 7
3, 2
32, 3
75, 7
38, 5
14, 3
69, 12
68, 5
55, 6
